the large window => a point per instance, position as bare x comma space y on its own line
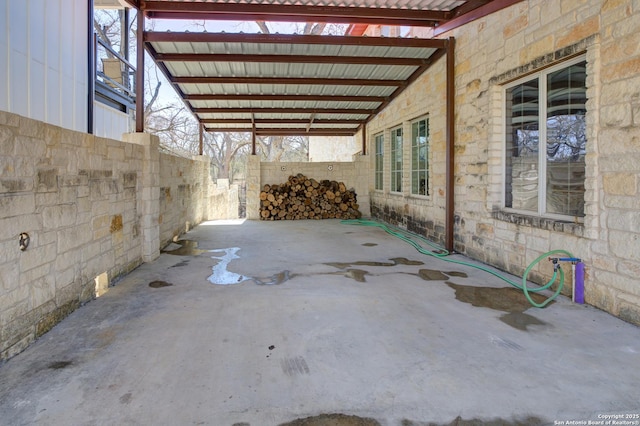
420, 157
379, 141
546, 141
396, 159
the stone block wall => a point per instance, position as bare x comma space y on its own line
91, 208
76, 196
185, 185
421, 214
354, 174
490, 52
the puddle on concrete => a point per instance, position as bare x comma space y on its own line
159, 284
221, 275
333, 419
275, 279
356, 274
369, 244
432, 275
394, 261
187, 248
59, 365
435, 275
505, 299
180, 264
459, 421
520, 320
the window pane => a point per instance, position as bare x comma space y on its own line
396, 160
419, 161
566, 140
522, 139
379, 141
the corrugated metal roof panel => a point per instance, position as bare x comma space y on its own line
282, 89
232, 69
265, 94
398, 51
441, 5
284, 104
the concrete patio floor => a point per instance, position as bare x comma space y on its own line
343, 329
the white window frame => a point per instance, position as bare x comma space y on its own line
427, 162
396, 152
542, 160
378, 141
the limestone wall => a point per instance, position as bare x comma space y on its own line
422, 214
91, 208
184, 183
490, 52
354, 174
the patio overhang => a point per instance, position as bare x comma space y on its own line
292, 84
274, 84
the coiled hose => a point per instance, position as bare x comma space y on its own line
443, 254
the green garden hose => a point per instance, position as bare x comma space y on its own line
442, 254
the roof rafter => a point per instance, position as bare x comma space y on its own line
277, 121
285, 110
293, 13
286, 131
289, 81
304, 59
189, 37
320, 98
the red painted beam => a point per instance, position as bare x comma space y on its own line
288, 81
304, 59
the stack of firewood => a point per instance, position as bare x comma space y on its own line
303, 198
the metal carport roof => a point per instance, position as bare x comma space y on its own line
274, 84
289, 84
297, 84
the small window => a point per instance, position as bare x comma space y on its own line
546, 142
420, 157
379, 142
396, 159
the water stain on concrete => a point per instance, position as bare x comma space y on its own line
294, 366
275, 279
126, 398
394, 261
187, 248
221, 275
432, 275
159, 284
520, 320
356, 274
505, 299
180, 264
334, 419
59, 365
459, 421
435, 275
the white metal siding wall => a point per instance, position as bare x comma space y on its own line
43, 60
110, 123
